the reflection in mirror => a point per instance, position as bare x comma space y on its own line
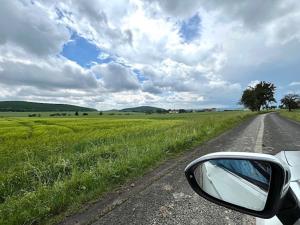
243, 183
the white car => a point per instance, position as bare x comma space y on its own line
264, 186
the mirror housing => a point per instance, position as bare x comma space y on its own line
278, 186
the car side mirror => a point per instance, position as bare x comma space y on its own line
250, 183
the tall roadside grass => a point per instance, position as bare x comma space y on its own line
49, 166
293, 115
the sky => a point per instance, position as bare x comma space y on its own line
165, 53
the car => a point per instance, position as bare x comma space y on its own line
261, 185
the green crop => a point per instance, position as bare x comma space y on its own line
49, 166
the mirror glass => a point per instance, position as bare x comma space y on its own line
243, 183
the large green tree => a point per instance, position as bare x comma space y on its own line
290, 101
258, 97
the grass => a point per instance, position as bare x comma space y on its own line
294, 115
50, 166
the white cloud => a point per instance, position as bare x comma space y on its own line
116, 77
253, 14
295, 83
55, 73
185, 97
253, 83
103, 56
285, 29
29, 27
177, 8
233, 49
96, 20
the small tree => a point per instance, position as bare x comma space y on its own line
76, 113
249, 99
100, 113
265, 94
290, 101
259, 96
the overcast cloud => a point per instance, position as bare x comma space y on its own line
167, 53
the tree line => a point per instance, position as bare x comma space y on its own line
261, 96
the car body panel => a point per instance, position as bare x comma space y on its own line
273, 221
288, 160
292, 160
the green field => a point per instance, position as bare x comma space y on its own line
50, 166
294, 115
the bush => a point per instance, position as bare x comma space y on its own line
55, 114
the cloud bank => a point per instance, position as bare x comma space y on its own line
169, 53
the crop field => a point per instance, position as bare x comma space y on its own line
50, 166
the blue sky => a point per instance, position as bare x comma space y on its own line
83, 52
153, 53
191, 28
87, 54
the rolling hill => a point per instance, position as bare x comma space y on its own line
23, 106
143, 109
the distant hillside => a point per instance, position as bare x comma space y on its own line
144, 109
22, 106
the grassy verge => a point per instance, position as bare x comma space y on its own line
294, 115
49, 166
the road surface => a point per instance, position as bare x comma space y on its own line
164, 197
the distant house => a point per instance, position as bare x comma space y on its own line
173, 111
